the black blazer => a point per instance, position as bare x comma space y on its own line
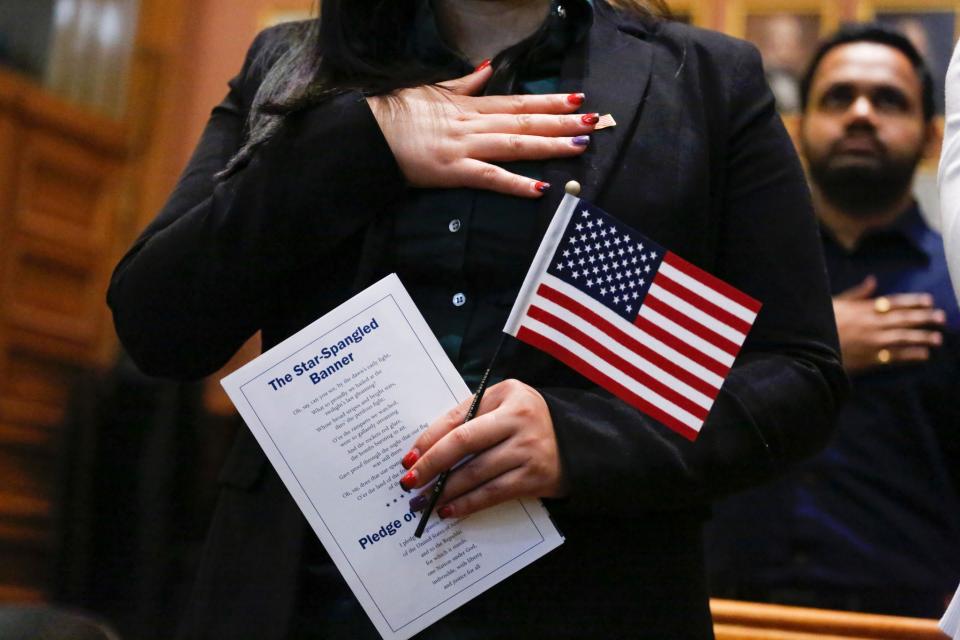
698, 161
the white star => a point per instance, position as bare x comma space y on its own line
559, 266
630, 248
626, 238
629, 308
566, 254
623, 287
603, 291
589, 282
600, 222
633, 260
653, 254
619, 276
592, 259
633, 285
646, 269
590, 224
597, 246
576, 250
642, 282
570, 263
605, 267
596, 271
643, 257
624, 263
575, 274
603, 233
610, 255
593, 235
572, 239
579, 227
620, 251
640, 246
609, 278
616, 241
583, 238
616, 299
585, 213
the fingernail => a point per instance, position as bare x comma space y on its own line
590, 118
940, 316
409, 481
581, 141
410, 459
446, 511
575, 99
937, 339
483, 65
419, 502
541, 186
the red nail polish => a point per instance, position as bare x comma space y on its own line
409, 481
575, 99
446, 511
541, 186
410, 459
483, 65
590, 118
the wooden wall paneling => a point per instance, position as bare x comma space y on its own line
736, 12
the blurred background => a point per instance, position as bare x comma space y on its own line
107, 477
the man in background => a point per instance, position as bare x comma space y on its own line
873, 523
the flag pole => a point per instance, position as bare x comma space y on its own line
471, 413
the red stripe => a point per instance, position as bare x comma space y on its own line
635, 345
588, 372
712, 281
691, 325
701, 303
682, 347
604, 353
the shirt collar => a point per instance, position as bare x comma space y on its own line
910, 228
567, 23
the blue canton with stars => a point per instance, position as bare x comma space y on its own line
607, 260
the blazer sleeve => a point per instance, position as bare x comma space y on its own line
948, 175
196, 283
778, 402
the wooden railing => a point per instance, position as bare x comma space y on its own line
734, 620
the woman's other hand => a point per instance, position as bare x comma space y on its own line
447, 137
514, 448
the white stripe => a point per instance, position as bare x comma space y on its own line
612, 372
624, 352
680, 333
635, 332
702, 290
691, 311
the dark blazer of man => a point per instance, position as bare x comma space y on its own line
698, 161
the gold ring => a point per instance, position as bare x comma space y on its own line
883, 356
881, 304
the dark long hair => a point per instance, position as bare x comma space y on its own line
357, 45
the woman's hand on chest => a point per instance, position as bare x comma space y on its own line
445, 137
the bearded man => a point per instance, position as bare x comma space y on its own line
873, 523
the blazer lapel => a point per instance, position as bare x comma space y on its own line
612, 68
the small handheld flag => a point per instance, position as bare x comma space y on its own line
637, 320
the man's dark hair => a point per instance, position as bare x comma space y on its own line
880, 34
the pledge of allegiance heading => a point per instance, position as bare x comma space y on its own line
326, 353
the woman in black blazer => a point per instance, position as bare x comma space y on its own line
309, 184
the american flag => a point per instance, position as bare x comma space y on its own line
639, 321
